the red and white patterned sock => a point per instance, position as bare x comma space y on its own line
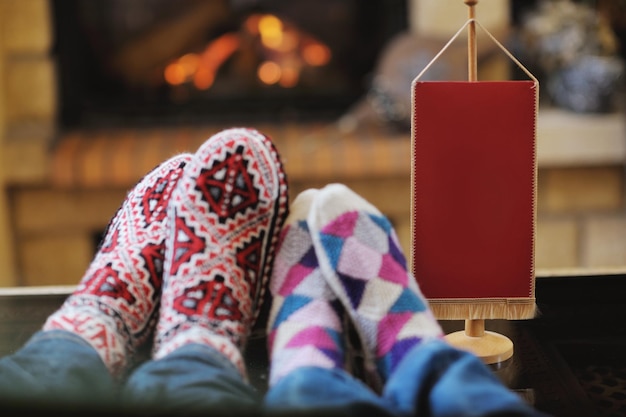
114, 306
225, 216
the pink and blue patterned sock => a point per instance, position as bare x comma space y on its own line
305, 324
363, 263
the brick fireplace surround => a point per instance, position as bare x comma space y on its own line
58, 190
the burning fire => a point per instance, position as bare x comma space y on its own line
285, 53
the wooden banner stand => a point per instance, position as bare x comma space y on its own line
473, 200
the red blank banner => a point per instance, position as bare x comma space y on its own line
474, 191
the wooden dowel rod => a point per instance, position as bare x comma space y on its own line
475, 328
472, 60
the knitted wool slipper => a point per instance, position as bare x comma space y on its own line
363, 263
114, 305
225, 217
305, 324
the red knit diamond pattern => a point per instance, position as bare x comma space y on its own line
114, 306
225, 215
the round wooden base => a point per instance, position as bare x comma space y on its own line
491, 347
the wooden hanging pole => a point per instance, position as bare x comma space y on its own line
473, 328
472, 55
491, 347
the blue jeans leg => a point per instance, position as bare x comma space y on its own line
437, 380
55, 368
433, 380
318, 391
193, 378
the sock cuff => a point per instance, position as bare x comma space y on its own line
99, 330
202, 336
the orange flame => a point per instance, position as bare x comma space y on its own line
316, 54
269, 72
202, 69
287, 51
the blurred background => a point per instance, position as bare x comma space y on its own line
200, 61
95, 93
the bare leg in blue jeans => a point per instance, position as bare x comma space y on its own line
339, 256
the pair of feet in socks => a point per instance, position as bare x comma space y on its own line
339, 256
187, 257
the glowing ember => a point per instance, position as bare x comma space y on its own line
289, 76
271, 31
269, 72
174, 74
316, 54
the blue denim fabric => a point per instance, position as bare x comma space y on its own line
55, 367
192, 378
433, 380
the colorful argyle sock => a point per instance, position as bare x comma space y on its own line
225, 217
305, 324
114, 306
363, 263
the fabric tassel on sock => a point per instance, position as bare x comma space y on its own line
114, 306
363, 263
305, 324
225, 217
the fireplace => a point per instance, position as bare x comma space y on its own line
138, 62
